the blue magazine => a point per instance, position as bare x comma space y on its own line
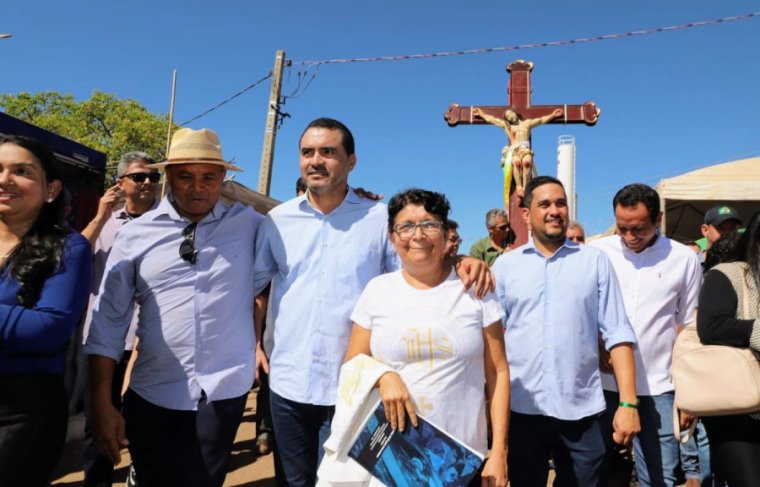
424, 455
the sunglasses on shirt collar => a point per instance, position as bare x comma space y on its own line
187, 251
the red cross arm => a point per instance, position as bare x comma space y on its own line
587, 113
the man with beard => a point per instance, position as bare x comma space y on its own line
319, 250
559, 296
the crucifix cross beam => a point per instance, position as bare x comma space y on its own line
519, 101
519, 92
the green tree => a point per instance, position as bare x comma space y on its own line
102, 122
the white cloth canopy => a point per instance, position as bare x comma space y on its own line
687, 197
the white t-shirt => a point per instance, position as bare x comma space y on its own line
434, 339
660, 287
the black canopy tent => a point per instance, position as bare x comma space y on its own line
83, 169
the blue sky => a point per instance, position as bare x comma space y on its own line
671, 102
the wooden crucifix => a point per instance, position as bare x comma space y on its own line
519, 91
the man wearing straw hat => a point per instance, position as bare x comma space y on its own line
187, 264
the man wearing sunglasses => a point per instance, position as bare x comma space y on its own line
136, 183
498, 239
188, 265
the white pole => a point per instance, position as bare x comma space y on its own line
566, 171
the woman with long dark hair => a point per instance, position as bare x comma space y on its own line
44, 280
729, 314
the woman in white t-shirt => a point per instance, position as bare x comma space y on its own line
441, 340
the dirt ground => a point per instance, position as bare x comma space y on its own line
246, 468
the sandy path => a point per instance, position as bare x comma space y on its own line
245, 469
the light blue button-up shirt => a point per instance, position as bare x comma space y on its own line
100, 251
555, 308
195, 320
320, 265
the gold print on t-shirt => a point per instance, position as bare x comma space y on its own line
421, 346
423, 405
350, 383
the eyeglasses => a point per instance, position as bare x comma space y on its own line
430, 228
187, 250
140, 177
502, 228
455, 240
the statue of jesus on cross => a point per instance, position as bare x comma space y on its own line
517, 157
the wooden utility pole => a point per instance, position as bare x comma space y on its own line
270, 132
169, 128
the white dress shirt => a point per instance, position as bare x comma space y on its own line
660, 288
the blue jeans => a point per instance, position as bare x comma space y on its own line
655, 447
300, 430
695, 458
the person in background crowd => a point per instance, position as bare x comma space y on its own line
137, 184
729, 314
300, 186
265, 441
719, 220
187, 264
453, 240
559, 296
723, 250
44, 277
264, 431
497, 242
660, 280
694, 246
575, 232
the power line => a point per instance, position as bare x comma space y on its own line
537, 45
218, 105
298, 91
